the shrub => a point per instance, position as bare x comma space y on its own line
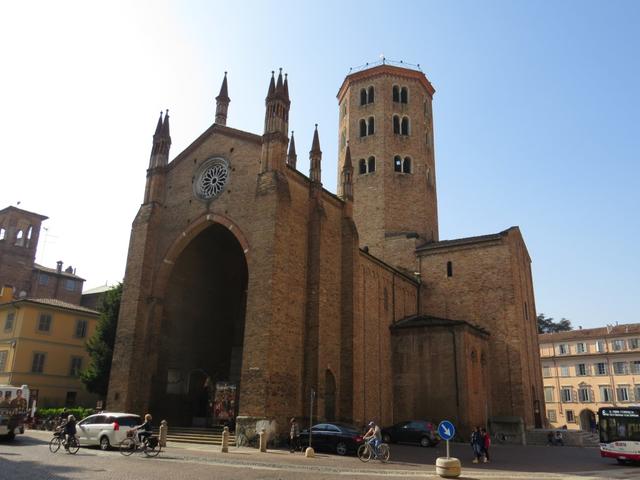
78, 412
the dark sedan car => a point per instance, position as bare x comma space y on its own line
340, 438
411, 431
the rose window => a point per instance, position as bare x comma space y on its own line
212, 180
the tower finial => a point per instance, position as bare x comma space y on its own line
292, 157
222, 102
315, 156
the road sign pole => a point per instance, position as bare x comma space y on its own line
448, 449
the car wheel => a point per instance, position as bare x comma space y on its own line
104, 443
425, 442
341, 448
386, 438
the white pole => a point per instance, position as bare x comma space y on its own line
447, 448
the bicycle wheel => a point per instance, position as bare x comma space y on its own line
127, 446
150, 451
54, 444
364, 452
384, 452
74, 446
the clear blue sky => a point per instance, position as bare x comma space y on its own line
536, 118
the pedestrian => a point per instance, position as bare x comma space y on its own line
557, 439
486, 443
294, 436
477, 444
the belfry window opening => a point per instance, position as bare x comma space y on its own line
367, 127
400, 94
401, 165
367, 165
367, 95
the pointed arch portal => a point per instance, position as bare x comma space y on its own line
202, 334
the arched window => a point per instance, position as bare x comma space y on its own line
362, 166
19, 239
404, 130
404, 95
372, 127
3, 233
371, 95
406, 165
363, 97
396, 93
29, 232
397, 163
363, 128
396, 124
371, 165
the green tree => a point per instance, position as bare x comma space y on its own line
100, 345
549, 325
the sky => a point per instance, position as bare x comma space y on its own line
535, 114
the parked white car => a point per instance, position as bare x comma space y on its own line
106, 429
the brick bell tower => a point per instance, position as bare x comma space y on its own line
386, 118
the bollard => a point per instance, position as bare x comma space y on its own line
448, 467
164, 426
309, 452
263, 440
225, 440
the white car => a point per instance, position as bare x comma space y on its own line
106, 429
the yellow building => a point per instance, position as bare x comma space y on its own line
42, 345
586, 369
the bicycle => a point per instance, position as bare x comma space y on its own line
150, 446
72, 446
365, 452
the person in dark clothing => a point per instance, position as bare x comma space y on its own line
69, 430
144, 430
486, 443
294, 436
477, 444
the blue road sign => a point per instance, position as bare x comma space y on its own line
446, 430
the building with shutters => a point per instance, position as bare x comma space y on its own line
584, 370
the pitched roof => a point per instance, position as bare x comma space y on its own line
100, 289
427, 321
24, 212
54, 271
54, 302
589, 333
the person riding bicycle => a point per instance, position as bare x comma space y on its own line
144, 430
373, 436
69, 430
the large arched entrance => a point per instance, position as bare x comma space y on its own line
200, 353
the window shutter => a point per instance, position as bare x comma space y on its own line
574, 395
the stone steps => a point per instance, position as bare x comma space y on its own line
198, 435
571, 438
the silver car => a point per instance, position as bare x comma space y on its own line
106, 429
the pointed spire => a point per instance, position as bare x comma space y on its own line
286, 87
347, 176
224, 94
292, 157
272, 86
279, 85
222, 103
158, 127
315, 155
315, 145
165, 127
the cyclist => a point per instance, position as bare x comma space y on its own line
373, 436
144, 430
69, 430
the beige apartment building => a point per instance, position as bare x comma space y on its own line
586, 369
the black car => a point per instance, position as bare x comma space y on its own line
411, 431
340, 438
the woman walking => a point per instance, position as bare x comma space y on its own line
486, 443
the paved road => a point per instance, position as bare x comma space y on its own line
28, 458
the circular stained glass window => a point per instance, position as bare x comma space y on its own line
212, 179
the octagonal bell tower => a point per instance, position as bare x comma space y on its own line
386, 118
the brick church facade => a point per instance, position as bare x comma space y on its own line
243, 270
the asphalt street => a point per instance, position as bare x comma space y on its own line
28, 458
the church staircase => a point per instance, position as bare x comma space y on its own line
198, 435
